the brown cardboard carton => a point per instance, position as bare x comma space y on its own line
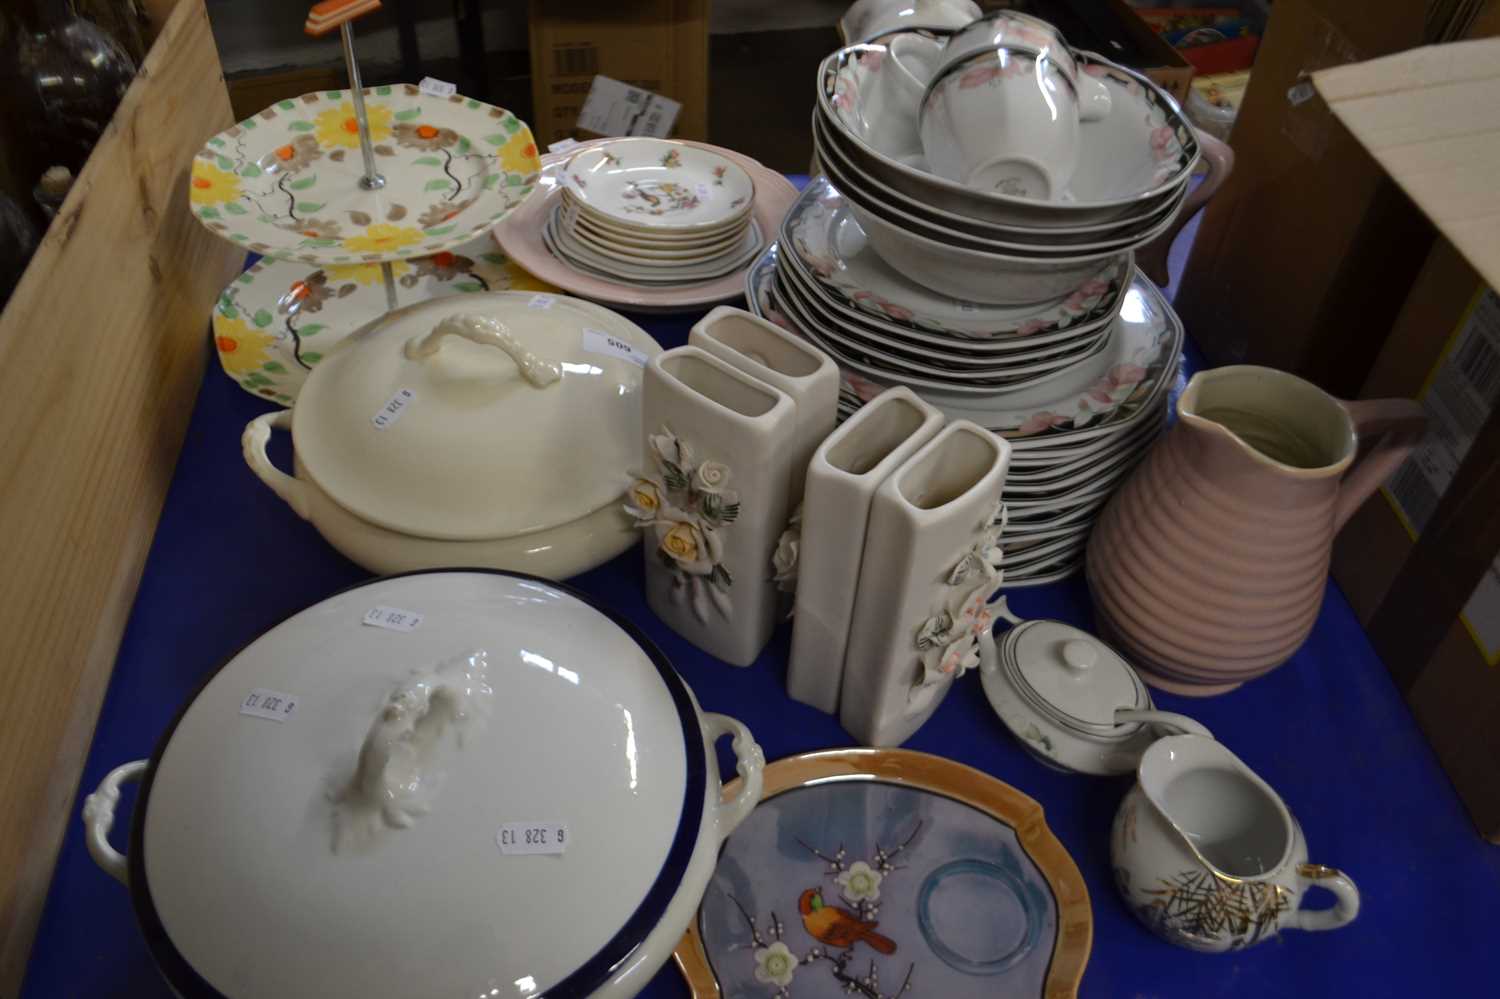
1309, 249
1421, 563
657, 45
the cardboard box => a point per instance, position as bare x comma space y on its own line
1306, 254
1420, 562
657, 45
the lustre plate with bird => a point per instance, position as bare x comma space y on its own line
889, 873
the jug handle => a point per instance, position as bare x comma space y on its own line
1152, 258
1394, 427
1346, 898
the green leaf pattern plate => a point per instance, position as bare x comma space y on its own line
274, 322
285, 183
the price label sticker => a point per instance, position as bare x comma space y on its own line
392, 618
562, 145
517, 839
596, 342
393, 408
541, 302
272, 705
437, 88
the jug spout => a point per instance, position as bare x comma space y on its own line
1283, 423
1224, 814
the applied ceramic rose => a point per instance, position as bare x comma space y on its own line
711, 498
1208, 567
931, 564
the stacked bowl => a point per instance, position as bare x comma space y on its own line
972, 237
653, 212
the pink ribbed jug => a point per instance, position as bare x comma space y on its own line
1207, 568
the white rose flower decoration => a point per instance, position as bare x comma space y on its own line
784, 559
775, 965
712, 477
684, 542
861, 882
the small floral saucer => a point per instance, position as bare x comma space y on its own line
278, 319
654, 184
286, 182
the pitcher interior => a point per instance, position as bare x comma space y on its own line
1279, 416
1229, 819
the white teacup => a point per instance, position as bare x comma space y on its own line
1003, 120
911, 61
1011, 30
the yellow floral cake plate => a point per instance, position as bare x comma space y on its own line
274, 322
889, 874
285, 182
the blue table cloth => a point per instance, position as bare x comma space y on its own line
1328, 730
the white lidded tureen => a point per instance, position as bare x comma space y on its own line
446, 784
492, 430
1071, 700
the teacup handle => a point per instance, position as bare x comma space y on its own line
1094, 101
1396, 426
1152, 258
1346, 898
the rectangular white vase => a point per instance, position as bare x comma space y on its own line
845, 471
767, 352
712, 499
931, 564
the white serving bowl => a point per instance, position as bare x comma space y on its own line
833, 158
407, 450
1129, 162
429, 806
1041, 250
971, 274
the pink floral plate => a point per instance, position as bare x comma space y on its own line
274, 322
285, 183
1098, 396
520, 236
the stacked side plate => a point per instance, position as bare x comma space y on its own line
654, 212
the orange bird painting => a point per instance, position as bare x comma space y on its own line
838, 927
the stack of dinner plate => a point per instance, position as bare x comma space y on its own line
1076, 430
654, 212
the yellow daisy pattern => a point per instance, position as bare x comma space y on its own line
519, 279
212, 186
338, 127
242, 349
382, 237
519, 155
364, 273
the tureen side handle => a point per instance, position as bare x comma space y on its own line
1346, 898
99, 818
489, 332
253, 442
750, 765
